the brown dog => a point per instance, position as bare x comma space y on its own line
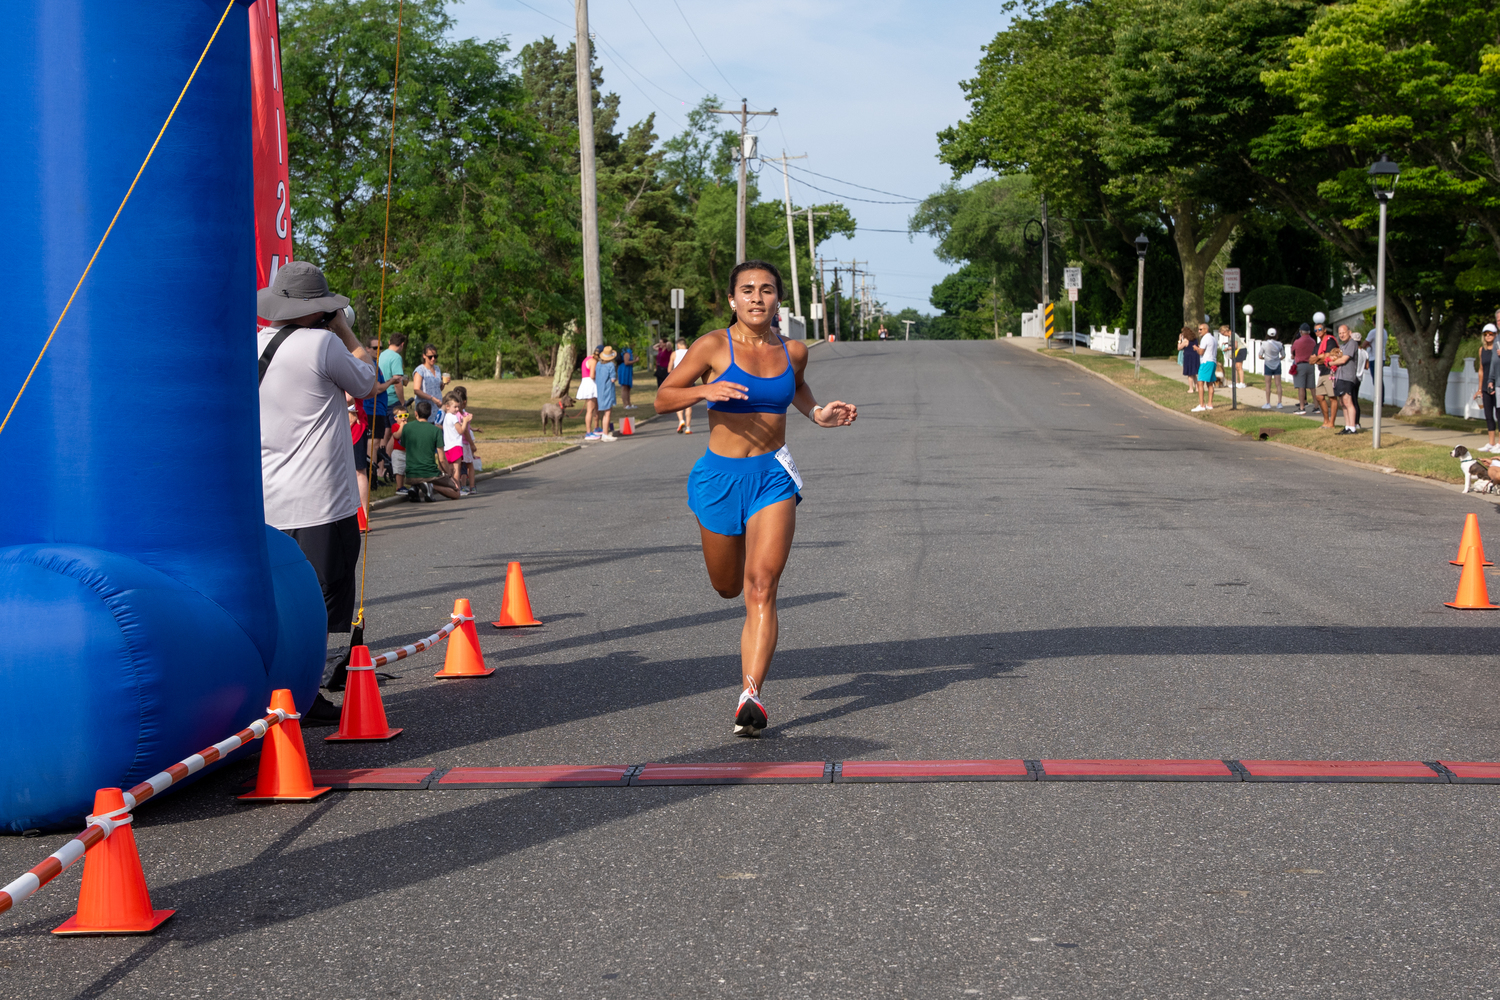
553, 413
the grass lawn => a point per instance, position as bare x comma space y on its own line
508, 425
1401, 454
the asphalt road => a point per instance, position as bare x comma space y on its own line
1005, 557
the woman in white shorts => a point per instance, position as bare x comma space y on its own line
588, 395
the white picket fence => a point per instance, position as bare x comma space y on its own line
1459, 400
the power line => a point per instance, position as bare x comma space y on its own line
549, 17
732, 88
860, 186
614, 54
664, 48
851, 197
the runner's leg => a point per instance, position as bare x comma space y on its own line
724, 557
768, 542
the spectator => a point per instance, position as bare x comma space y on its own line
1304, 372
663, 358
392, 371
1187, 357
1343, 361
470, 463
422, 440
626, 376
1270, 353
427, 384
1362, 366
1241, 352
453, 426
1486, 391
377, 420
309, 361
588, 395
684, 417
1326, 343
359, 432
394, 447
606, 379
1207, 350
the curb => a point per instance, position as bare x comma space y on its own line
1370, 466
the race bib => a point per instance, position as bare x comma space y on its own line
784, 456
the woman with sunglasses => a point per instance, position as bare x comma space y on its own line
427, 383
746, 488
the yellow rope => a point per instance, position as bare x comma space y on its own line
390, 166
35, 364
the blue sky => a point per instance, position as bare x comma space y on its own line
862, 88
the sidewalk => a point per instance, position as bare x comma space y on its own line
1253, 397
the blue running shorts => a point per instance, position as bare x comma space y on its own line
725, 492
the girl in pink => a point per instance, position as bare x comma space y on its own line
454, 425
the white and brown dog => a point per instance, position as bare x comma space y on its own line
1476, 472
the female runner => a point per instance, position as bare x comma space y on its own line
744, 490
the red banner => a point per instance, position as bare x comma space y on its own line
273, 194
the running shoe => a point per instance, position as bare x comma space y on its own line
403, 491
464, 491
592, 436
1265, 406
608, 437
750, 716
1199, 409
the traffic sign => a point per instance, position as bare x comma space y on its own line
1051, 329
817, 310
1231, 280
1072, 295
679, 298
1073, 279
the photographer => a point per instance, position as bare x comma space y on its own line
309, 358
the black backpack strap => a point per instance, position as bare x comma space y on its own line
274, 346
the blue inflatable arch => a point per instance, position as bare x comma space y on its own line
148, 610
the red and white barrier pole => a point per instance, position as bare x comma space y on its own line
101, 827
432, 640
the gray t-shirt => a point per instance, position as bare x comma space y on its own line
306, 451
1349, 370
1271, 351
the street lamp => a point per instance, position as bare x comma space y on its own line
1141, 246
1383, 177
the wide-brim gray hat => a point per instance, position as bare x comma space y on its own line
299, 289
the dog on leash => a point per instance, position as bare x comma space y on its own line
553, 413
1476, 472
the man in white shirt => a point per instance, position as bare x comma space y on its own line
1208, 354
308, 359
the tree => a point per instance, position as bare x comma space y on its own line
1418, 79
1185, 99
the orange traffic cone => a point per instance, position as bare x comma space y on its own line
1472, 594
113, 897
1470, 540
284, 774
515, 610
363, 717
626, 428
364, 519
464, 658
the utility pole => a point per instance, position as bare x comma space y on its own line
791, 239
593, 301
822, 297
908, 323
838, 331
812, 256
739, 220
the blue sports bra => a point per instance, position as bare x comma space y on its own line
767, 395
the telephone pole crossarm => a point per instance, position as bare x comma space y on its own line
740, 210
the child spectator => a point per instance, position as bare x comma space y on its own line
467, 466
453, 426
422, 440
394, 447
